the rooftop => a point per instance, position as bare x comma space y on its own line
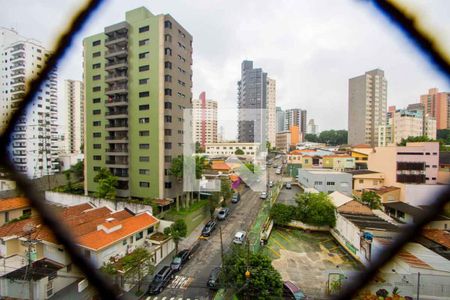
354, 207
338, 199
361, 172
13, 203
370, 222
441, 237
404, 207
322, 171
39, 269
384, 189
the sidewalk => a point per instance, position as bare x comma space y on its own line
187, 242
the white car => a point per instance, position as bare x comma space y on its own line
239, 237
263, 195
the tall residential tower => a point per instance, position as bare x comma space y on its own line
204, 120
33, 148
138, 80
366, 107
436, 104
271, 111
75, 116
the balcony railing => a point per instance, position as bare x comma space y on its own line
123, 64
118, 38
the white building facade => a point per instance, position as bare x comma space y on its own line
32, 149
271, 111
204, 120
75, 115
228, 149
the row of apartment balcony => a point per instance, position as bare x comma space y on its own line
117, 114
117, 89
119, 51
409, 166
16, 80
116, 77
19, 88
19, 47
116, 38
17, 65
116, 64
117, 100
18, 56
18, 72
411, 178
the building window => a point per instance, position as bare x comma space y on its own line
168, 65
96, 111
144, 42
167, 78
167, 132
139, 235
317, 182
167, 24
400, 214
330, 182
168, 38
144, 120
26, 212
96, 54
168, 119
96, 100
144, 68
97, 146
96, 123
96, 169
143, 81
144, 29
144, 107
96, 43
143, 94
144, 133
96, 66
96, 77
97, 157
96, 89
167, 159
144, 55
144, 146
97, 134
168, 92
168, 51
168, 185
144, 184
150, 230
167, 145
144, 171
144, 158
167, 105
124, 242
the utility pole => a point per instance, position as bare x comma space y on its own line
418, 285
29, 229
221, 243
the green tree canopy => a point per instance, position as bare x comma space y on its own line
225, 188
330, 137
176, 169
239, 151
312, 138
107, 184
417, 139
443, 135
281, 214
177, 231
371, 199
264, 281
315, 209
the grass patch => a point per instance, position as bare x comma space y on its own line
192, 216
186, 211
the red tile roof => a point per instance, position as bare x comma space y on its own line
356, 208
99, 239
441, 237
13, 203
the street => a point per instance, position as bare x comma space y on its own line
190, 282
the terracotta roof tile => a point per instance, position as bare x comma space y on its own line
13, 203
355, 207
441, 237
413, 260
99, 239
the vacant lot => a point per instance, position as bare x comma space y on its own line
307, 258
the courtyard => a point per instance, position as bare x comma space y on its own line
307, 258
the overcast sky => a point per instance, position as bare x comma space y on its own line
311, 48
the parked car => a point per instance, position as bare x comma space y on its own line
239, 237
209, 227
214, 279
179, 260
288, 185
275, 166
291, 291
160, 281
235, 198
263, 195
223, 213
270, 183
193, 249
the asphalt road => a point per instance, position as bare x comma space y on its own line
190, 282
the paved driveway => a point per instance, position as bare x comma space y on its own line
288, 196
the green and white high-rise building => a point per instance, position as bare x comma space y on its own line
138, 80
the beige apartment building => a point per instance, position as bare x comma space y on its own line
75, 115
436, 105
204, 120
366, 107
271, 111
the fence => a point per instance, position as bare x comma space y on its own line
393, 12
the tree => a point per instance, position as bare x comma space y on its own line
213, 202
136, 264
107, 184
239, 151
268, 146
311, 138
225, 189
281, 214
264, 282
78, 169
316, 209
199, 148
443, 135
415, 139
177, 231
371, 199
333, 137
176, 169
